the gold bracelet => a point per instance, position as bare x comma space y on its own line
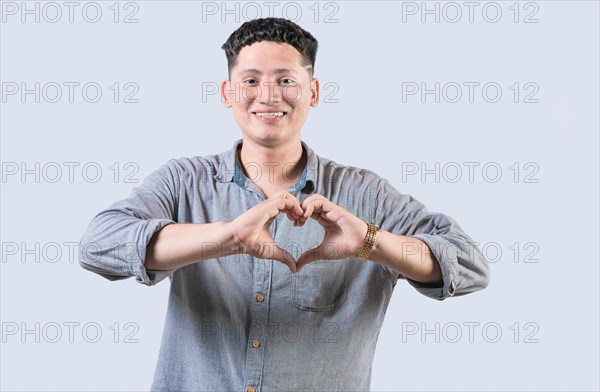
365, 251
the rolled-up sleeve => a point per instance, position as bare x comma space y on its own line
114, 244
464, 269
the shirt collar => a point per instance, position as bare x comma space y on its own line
230, 170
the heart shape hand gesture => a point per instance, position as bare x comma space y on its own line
344, 232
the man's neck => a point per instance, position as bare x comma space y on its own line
273, 169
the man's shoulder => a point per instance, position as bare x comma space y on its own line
333, 170
209, 164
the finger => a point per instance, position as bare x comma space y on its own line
324, 210
293, 216
312, 204
329, 216
312, 198
306, 203
267, 249
290, 215
308, 211
299, 222
288, 202
285, 257
294, 206
320, 218
316, 216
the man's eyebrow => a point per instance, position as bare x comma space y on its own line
277, 71
251, 71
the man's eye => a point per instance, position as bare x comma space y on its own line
251, 82
286, 81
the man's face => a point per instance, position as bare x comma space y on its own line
270, 92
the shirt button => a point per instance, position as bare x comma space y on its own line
250, 389
255, 343
260, 297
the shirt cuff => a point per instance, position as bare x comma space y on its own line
446, 256
142, 275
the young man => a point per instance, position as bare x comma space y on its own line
281, 262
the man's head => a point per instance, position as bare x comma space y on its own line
271, 85
274, 30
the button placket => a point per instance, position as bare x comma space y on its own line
256, 339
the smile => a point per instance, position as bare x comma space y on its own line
269, 114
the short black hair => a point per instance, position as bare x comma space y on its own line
275, 30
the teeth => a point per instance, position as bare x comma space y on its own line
270, 114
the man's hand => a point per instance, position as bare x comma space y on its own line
251, 229
344, 232
344, 237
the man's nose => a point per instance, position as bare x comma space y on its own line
270, 92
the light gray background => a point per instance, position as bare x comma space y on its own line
367, 55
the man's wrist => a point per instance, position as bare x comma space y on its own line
368, 242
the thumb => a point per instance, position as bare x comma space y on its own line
274, 252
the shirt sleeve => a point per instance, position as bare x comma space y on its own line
114, 244
464, 269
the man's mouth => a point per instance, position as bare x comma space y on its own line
269, 115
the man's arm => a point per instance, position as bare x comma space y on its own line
139, 236
344, 238
114, 244
178, 245
430, 250
410, 256
181, 244
462, 265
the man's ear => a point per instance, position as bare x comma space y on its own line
226, 86
314, 92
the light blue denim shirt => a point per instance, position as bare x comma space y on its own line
240, 322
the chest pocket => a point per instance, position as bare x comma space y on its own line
321, 285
